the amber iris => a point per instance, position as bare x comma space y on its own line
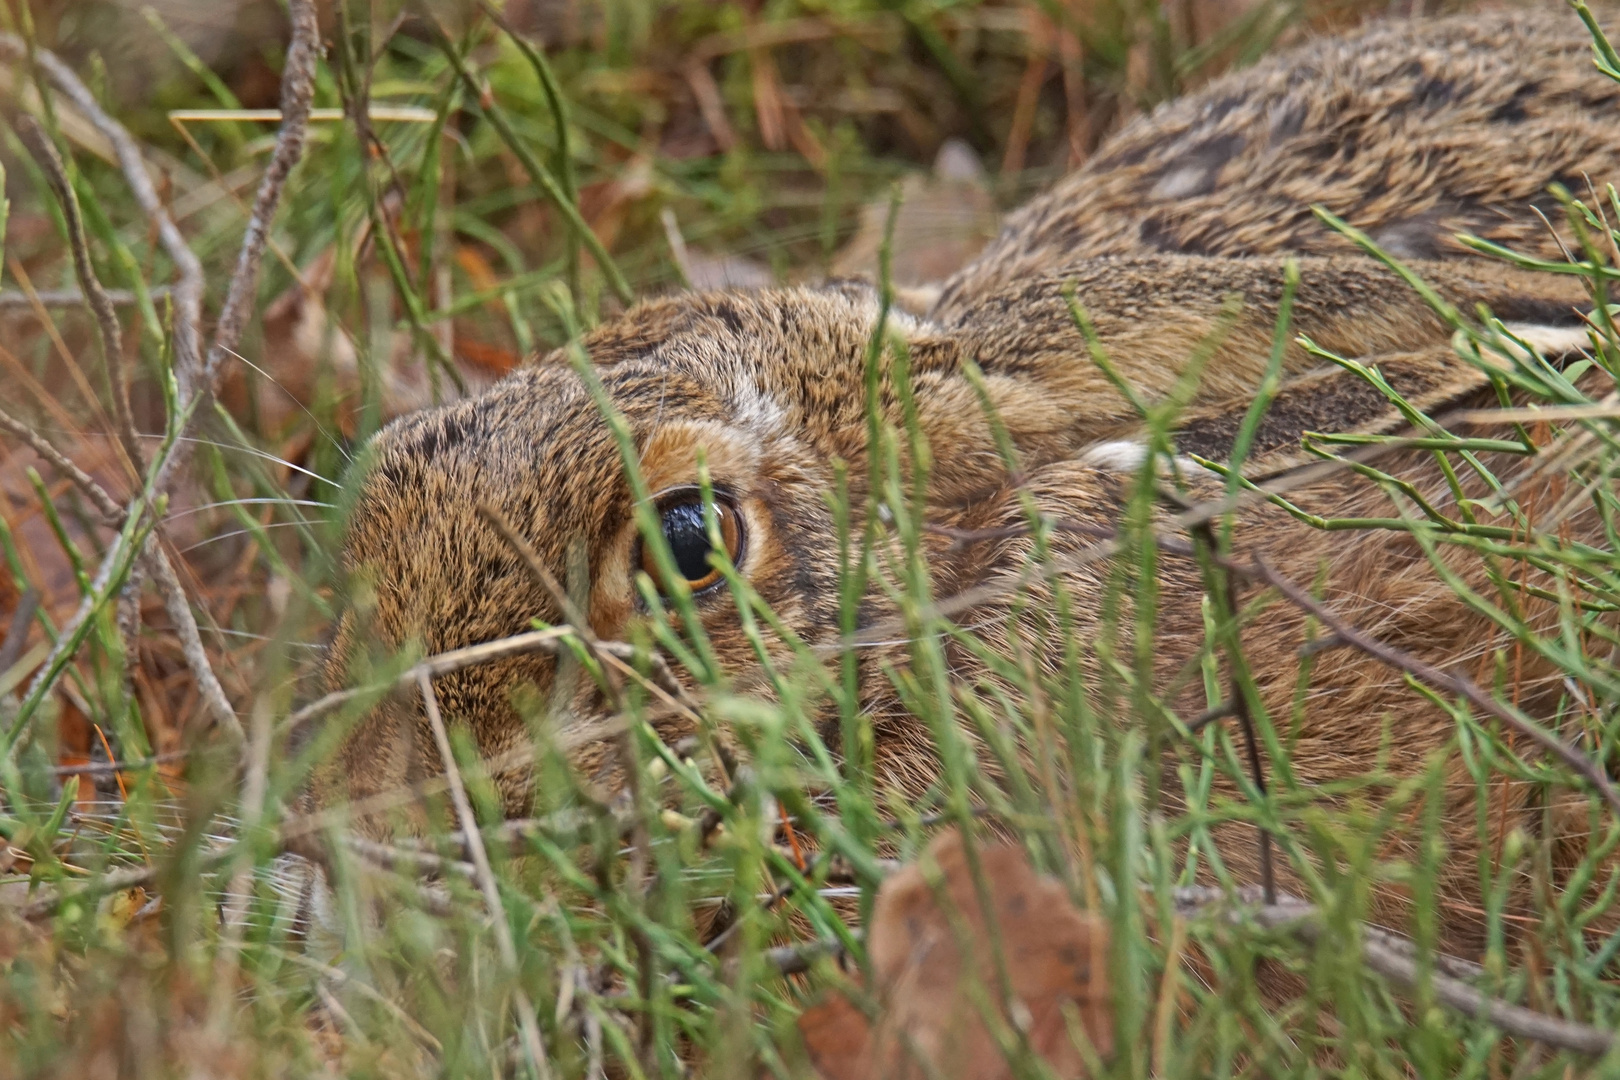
681, 513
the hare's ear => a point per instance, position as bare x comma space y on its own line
1555, 343
1552, 321
1330, 399
1431, 380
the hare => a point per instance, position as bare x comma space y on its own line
767, 386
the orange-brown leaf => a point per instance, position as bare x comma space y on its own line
933, 960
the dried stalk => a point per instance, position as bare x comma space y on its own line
532, 1045
178, 608
11, 649
43, 907
1237, 701
111, 513
409, 860
108, 768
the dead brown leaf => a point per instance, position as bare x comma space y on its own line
944, 220
935, 975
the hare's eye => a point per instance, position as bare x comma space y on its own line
681, 513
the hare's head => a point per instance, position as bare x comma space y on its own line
755, 395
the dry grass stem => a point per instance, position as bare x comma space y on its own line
533, 1048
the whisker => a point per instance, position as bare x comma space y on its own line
243, 532
240, 447
265, 637
256, 452
294, 398
255, 501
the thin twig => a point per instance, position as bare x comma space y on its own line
108, 768
1394, 957
193, 376
112, 514
115, 564
797, 959
14, 300
178, 608
297, 93
11, 649
39, 144
533, 1047
409, 860
1459, 685
188, 289
1236, 699
43, 907
1209, 716
341, 980
439, 664
157, 564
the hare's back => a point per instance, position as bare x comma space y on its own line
1412, 130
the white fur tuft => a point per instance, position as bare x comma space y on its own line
1119, 456
1551, 340
1122, 455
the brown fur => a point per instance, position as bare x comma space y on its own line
769, 386
1412, 130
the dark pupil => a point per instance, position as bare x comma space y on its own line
688, 540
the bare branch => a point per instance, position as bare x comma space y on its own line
797, 959
157, 564
1240, 683
11, 649
194, 376
114, 565
48, 904
108, 768
409, 860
